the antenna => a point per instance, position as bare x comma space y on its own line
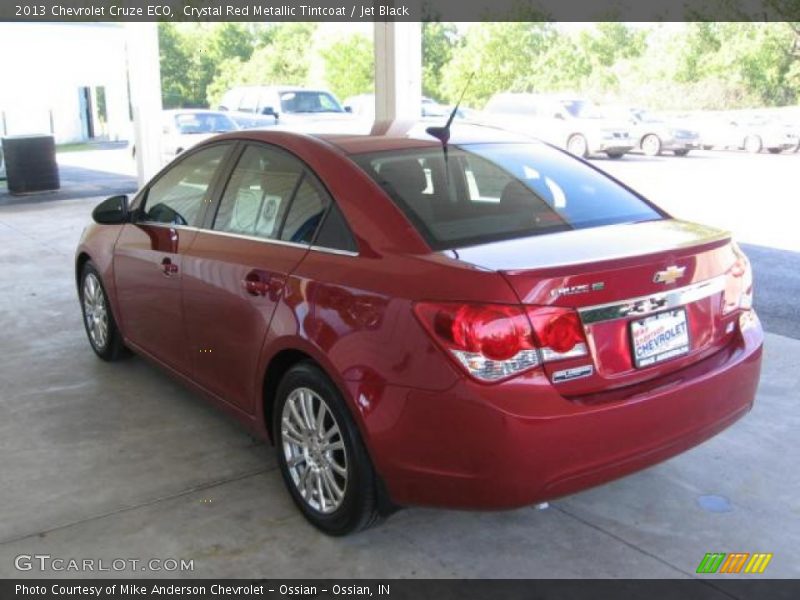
443, 133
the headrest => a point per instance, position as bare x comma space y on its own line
517, 196
405, 176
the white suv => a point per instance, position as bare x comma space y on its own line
264, 106
570, 122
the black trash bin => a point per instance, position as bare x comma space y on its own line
31, 163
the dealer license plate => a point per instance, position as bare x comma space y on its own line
659, 338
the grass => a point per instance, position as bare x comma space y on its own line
78, 147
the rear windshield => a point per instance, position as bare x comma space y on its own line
495, 192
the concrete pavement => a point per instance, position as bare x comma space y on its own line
119, 461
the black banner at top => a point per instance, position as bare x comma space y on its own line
399, 10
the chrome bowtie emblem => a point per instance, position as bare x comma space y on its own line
669, 275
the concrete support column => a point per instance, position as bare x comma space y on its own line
145, 80
398, 70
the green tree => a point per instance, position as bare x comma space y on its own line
285, 60
439, 41
503, 57
350, 66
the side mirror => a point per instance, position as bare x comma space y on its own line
111, 211
268, 110
348, 109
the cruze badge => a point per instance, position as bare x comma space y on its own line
578, 289
669, 275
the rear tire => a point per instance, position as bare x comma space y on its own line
324, 464
98, 320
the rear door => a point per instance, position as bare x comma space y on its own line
148, 254
235, 271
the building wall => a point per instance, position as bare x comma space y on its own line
43, 67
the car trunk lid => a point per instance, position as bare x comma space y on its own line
649, 295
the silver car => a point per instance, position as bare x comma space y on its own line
655, 134
570, 122
751, 134
183, 128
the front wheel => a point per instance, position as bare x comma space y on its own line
101, 328
578, 146
752, 144
651, 145
322, 459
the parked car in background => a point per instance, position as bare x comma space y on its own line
752, 134
655, 134
265, 106
363, 107
183, 128
483, 328
572, 123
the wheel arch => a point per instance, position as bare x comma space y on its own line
80, 262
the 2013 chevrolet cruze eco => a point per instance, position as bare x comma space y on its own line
485, 328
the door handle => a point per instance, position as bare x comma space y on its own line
168, 267
257, 283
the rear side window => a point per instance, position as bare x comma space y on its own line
500, 191
177, 197
335, 233
258, 193
305, 214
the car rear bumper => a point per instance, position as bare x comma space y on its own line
503, 446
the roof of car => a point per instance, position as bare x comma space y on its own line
398, 135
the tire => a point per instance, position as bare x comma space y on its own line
615, 155
340, 493
98, 320
651, 144
577, 145
774, 150
683, 152
753, 144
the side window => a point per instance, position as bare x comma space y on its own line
258, 192
249, 101
177, 196
305, 212
335, 233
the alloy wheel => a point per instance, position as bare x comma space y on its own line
314, 450
651, 145
95, 311
577, 145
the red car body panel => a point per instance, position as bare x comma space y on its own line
436, 436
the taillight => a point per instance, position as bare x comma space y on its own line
738, 284
496, 341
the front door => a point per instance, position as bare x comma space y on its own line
148, 256
235, 273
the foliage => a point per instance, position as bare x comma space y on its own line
284, 60
192, 54
697, 65
439, 42
350, 66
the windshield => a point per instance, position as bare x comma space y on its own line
189, 123
309, 102
500, 191
582, 109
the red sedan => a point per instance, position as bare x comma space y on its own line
482, 325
